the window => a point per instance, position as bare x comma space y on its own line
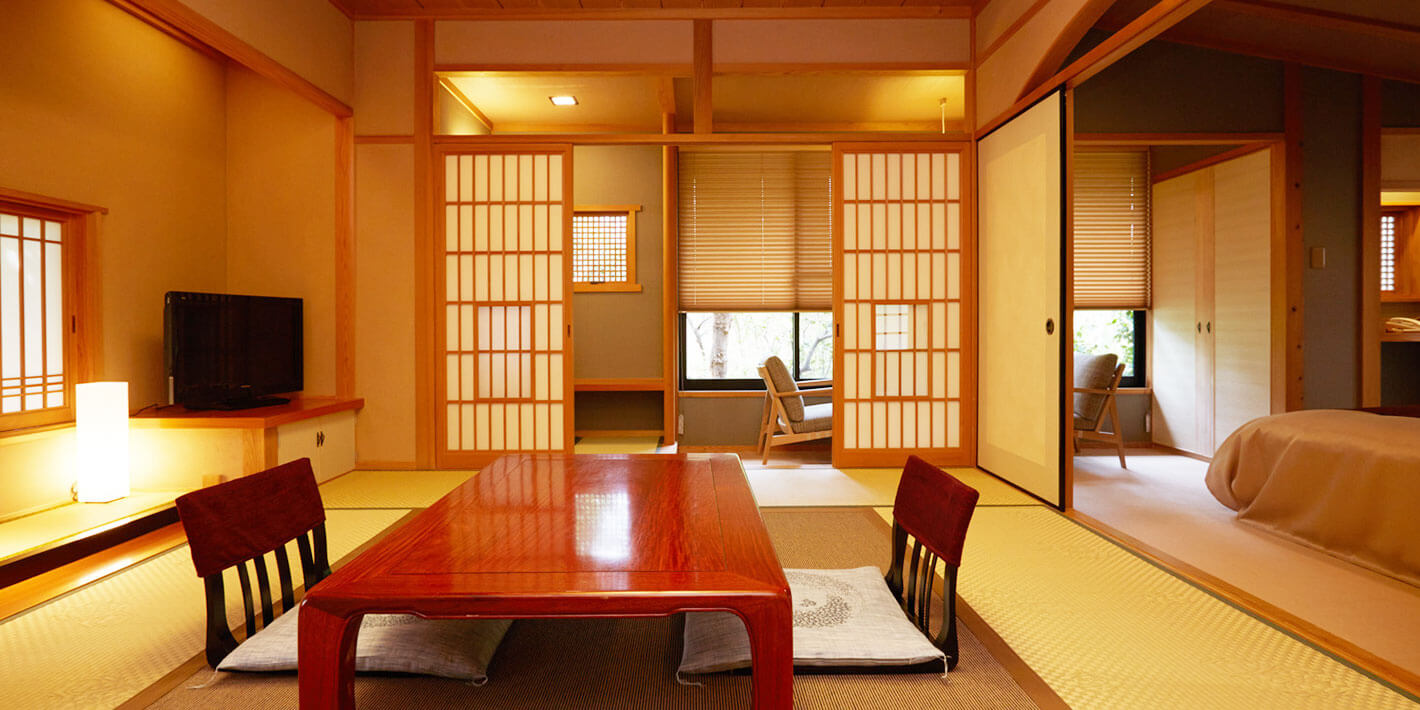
604, 249
1388, 223
724, 350
38, 248
1121, 332
1111, 229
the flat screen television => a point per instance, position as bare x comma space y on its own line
224, 351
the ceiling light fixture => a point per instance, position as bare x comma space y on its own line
563, 100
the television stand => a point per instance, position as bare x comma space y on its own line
232, 405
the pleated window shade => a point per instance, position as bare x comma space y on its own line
1112, 229
754, 231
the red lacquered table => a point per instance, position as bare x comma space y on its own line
566, 536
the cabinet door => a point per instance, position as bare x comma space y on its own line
1242, 301
1173, 348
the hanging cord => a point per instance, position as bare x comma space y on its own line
942, 104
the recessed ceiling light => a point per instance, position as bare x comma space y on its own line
563, 100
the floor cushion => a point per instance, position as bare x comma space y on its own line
399, 643
843, 618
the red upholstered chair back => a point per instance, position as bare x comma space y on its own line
235, 521
237, 524
934, 508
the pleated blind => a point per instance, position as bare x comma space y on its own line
754, 231
1112, 229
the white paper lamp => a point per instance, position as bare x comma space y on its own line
101, 418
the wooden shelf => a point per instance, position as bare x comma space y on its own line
179, 417
619, 384
1400, 337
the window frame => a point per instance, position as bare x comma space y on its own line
80, 329
710, 385
630, 285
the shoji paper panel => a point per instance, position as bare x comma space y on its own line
504, 381
904, 306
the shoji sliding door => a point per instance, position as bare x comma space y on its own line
904, 304
504, 380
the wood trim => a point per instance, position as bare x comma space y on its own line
1370, 296
1010, 31
69, 550
714, 394
1223, 157
179, 417
192, 42
703, 69
424, 296
377, 465
384, 140
172, 15
663, 69
665, 97
616, 433
1295, 395
689, 139
959, 10
1180, 452
1277, 253
32, 199
1151, 139
670, 256
1067, 313
1322, 19
1248, 602
618, 384
1153, 22
40, 588
463, 100
842, 68
344, 257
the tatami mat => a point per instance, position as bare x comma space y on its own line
390, 489
1106, 629
824, 485
618, 445
99, 645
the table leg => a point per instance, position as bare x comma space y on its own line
771, 641
326, 658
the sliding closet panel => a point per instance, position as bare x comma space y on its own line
904, 305
504, 382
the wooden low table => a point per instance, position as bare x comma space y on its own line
566, 536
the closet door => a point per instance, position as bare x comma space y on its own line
904, 306
504, 380
1175, 339
1242, 300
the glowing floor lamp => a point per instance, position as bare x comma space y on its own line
102, 423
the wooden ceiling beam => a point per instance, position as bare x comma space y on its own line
465, 101
960, 11
704, 70
1322, 19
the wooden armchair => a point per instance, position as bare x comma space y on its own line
786, 419
1097, 384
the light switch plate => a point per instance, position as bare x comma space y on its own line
1318, 257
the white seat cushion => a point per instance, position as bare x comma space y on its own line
845, 618
399, 643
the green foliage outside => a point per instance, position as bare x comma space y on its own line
1099, 332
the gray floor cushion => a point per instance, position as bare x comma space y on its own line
842, 618
399, 643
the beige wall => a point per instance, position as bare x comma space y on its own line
554, 42
309, 37
281, 209
384, 78
98, 107
384, 302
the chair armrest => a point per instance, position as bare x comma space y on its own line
816, 383
817, 392
1093, 390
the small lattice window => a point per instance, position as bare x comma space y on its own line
893, 329
1388, 252
604, 249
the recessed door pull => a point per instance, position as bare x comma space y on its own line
1049, 326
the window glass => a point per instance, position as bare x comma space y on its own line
815, 346
733, 345
1100, 332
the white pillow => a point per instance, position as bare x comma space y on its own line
400, 643
842, 618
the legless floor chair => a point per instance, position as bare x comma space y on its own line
786, 419
1096, 386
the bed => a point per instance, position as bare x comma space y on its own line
1345, 482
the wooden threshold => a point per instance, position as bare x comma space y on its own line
1286, 621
